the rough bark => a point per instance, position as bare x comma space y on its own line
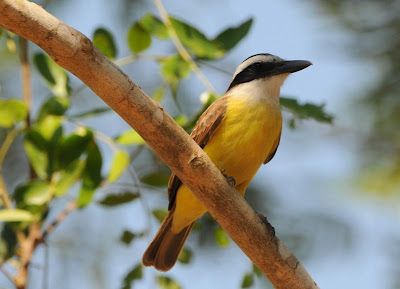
76, 53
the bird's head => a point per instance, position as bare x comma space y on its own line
265, 70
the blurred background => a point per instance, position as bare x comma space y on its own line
332, 191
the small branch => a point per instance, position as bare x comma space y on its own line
71, 206
179, 46
7, 274
13, 133
26, 76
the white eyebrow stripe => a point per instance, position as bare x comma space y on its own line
254, 59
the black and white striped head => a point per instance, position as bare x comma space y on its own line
264, 65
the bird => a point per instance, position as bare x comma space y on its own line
239, 132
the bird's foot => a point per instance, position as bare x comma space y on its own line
231, 180
271, 230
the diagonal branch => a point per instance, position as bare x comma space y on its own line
76, 53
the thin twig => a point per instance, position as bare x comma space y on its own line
179, 46
26, 76
71, 206
7, 274
13, 133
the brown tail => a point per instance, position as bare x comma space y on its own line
164, 250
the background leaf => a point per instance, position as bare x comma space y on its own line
92, 112
138, 38
185, 256
154, 26
54, 106
120, 163
11, 112
54, 75
160, 214
135, 274
307, 110
248, 280
130, 137
157, 179
230, 37
127, 237
221, 238
35, 193
167, 283
35, 146
118, 199
72, 147
16, 215
68, 177
104, 41
173, 69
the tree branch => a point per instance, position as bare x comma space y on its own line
76, 53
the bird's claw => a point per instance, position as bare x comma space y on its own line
231, 180
271, 229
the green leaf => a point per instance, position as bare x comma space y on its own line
158, 94
157, 179
135, 274
248, 280
167, 283
185, 256
8, 241
54, 106
139, 39
35, 193
160, 214
154, 26
118, 199
173, 69
257, 271
127, 237
69, 176
181, 119
72, 147
104, 41
11, 112
130, 137
230, 37
196, 42
54, 75
119, 164
221, 238
92, 112
50, 128
35, 146
307, 110
1, 32
91, 175
16, 215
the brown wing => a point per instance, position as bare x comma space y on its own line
201, 134
275, 148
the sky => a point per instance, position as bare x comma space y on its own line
311, 175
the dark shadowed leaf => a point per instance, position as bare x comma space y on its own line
185, 256
92, 112
139, 39
157, 179
196, 42
248, 280
104, 41
307, 110
91, 174
221, 238
68, 177
54, 106
229, 38
154, 26
135, 274
11, 112
130, 137
160, 214
16, 215
119, 164
54, 75
8, 241
72, 147
167, 283
127, 237
118, 199
1, 32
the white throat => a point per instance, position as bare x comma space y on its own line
261, 90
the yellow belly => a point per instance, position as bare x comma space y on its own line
239, 146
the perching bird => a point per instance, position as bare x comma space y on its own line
239, 132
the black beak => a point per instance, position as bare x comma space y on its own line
290, 66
